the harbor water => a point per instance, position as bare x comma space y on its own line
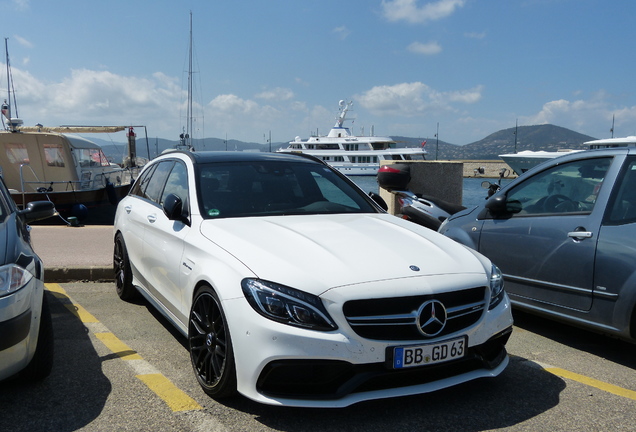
472, 194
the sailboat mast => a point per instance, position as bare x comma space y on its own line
6, 50
13, 122
189, 118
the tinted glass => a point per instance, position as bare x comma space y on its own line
177, 183
158, 180
139, 188
567, 188
274, 188
623, 205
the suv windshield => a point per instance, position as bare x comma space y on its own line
274, 188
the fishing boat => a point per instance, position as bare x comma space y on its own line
55, 164
353, 154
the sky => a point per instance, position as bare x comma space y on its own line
278, 68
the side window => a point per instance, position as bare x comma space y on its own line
158, 180
567, 188
177, 183
139, 188
623, 204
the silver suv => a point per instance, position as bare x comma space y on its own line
564, 236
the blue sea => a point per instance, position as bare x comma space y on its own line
473, 193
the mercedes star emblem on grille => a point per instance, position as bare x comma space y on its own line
431, 318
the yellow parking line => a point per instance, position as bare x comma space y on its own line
175, 398
56, 289
77, 310
114, 344
610, 388
81, 313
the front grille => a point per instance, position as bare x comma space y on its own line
396, 318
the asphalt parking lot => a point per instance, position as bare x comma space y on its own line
120, 366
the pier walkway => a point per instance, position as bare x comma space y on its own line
74, 253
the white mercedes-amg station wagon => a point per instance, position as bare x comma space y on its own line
293, 287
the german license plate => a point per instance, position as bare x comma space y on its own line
420, 355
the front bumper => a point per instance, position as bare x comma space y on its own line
281, 365
334, 379
20, 315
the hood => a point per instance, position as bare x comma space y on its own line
320, 252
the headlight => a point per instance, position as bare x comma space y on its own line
287, 305
496, 287
12, 278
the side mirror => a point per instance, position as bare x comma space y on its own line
499, 205
173, 208
379, 200
38, 210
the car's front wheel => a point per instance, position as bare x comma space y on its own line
211, 346
123, 274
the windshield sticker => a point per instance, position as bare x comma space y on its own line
214, 212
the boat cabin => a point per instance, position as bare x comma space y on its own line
34, 161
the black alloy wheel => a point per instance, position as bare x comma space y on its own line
210, 345
123, 274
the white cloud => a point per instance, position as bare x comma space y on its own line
21, 5
592, 116
410, 11
232, 114
97, 98
277, 93
474, 35
342, 32
23, 42
429, 48
409, 99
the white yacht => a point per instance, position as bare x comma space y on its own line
525, 160
353, 154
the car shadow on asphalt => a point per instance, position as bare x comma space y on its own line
477, 405
73, 395
522, 392
607, 347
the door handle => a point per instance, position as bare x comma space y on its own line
152, 218
580, 235
128, 209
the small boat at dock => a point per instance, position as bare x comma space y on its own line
53, 163
66, 169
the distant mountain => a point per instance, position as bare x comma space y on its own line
541, 137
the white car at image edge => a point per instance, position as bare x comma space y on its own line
295, 288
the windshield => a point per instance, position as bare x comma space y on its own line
275, 188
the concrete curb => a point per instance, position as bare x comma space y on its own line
78, 274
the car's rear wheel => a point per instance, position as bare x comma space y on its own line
42, 362
211, 346
123, 274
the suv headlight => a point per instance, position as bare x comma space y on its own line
287, 305
496, 287
12, 278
